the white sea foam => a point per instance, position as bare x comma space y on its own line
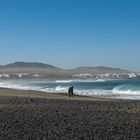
89, 80
12, 85
79, 80
60, 88
63, 81
125, 90
121, 92
100, 80
57, 89
23, 86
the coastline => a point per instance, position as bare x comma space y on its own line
8, 92
39, 115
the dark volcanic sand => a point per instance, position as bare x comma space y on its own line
56, 119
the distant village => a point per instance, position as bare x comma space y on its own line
22, 76
35, 70
109, 76
80, 76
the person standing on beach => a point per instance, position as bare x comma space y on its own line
70, 91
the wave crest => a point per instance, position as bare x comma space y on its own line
126, 89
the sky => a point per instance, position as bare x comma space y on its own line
71, 33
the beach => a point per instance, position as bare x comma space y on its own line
36, 115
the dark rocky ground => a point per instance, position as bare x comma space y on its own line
52, 119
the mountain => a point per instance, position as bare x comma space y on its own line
54, 72
29, 65
100, 69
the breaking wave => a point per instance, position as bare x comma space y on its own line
127, 90
79, 80
63, 81
23, 86
13, 85
121, 91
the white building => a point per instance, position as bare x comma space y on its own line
132, 75
6, 75
36, 75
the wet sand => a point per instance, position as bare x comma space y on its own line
30, 115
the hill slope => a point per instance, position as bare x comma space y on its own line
100, 69
52, 71
29, 65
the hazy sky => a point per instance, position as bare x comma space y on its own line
71, 33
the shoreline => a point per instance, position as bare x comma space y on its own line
64, 96
116, 91
40, 94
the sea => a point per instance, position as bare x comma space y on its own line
116, 89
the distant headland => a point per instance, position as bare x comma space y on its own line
23, 70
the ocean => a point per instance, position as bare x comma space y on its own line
116, 89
